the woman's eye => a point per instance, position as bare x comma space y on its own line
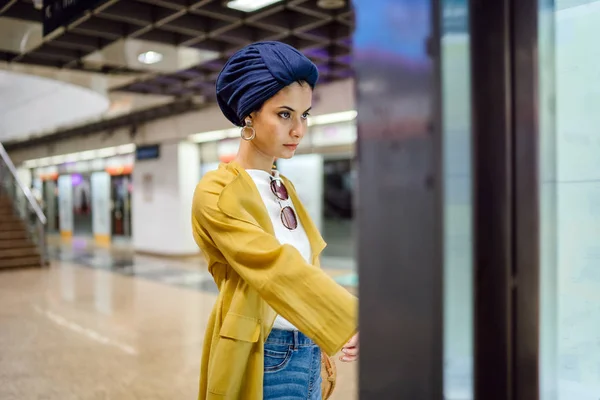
305, 115
284, 115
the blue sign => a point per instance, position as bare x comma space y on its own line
149, 152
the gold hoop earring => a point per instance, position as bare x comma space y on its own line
251, 136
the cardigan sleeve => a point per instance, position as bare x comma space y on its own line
300, 292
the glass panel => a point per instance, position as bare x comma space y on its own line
570, 199
458, 277
547, 170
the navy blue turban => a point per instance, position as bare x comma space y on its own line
256, 73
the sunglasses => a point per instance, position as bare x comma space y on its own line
288, 216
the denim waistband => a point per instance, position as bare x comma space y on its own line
291, 338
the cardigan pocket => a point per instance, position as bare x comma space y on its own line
231, 356
240, 327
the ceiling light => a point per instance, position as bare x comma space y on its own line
58, 159
73, 157
44, 162
30, 164
126, 148
214, 136
107, 152
150, 57
250, 5
331, 4
87, 155
344, 116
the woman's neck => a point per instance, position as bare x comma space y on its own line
249, 157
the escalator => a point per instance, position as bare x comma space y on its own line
22, 221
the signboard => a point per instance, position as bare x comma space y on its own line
147, 152
57, 13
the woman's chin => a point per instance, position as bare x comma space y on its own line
286, 155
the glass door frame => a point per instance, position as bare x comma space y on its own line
504, 73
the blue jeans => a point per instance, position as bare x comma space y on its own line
292, 367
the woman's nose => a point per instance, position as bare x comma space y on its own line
298, 131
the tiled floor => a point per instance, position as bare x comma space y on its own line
103, 324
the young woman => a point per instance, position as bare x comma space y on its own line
276, 308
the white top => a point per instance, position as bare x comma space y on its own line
297, 238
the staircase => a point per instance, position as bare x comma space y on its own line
17, 250
22, 222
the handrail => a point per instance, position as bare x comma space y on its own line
32, 201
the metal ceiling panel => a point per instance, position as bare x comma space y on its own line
106, 39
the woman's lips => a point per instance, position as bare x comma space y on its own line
291, 146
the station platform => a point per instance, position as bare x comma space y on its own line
106, 323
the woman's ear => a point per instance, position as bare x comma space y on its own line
254, 114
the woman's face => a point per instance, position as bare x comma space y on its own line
282, 121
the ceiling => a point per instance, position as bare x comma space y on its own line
195, 36
29, 103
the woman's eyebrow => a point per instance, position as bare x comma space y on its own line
292, 110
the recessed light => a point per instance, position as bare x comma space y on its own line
331, 4
150, 57
250, 5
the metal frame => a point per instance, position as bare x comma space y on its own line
492, 197
322, 34
526, 198
400, 246
505, 193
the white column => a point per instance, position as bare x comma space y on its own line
101, 224
162, 196
65, 205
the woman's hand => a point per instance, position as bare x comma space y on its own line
350, 350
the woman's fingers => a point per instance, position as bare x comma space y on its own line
350, 354
350, 351
348, 358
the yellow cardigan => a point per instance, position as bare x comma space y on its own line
258, 277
